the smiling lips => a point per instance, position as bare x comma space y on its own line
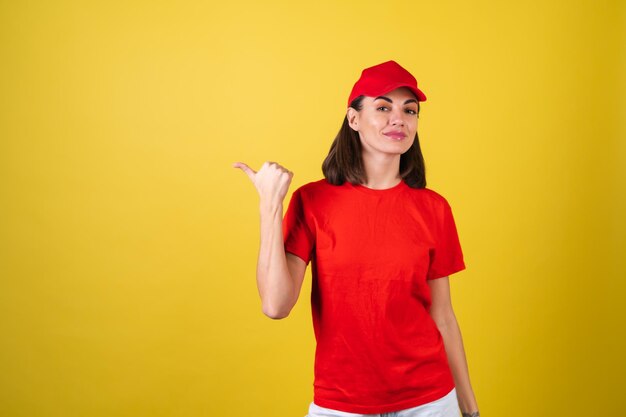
395, 135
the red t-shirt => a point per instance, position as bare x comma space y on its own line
372, 252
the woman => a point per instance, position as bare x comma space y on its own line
381, 247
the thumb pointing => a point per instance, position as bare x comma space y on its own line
245, 168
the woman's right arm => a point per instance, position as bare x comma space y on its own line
279, 274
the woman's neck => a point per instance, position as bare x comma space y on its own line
382, 171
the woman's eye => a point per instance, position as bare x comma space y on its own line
383, 108
411, 111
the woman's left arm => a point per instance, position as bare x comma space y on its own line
443, 315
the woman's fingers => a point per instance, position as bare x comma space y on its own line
245, 168
272, 180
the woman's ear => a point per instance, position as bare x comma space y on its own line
353, 118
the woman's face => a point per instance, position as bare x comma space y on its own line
386, 124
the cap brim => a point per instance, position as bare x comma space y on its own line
375, 92
418, 93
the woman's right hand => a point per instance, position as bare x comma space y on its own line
279, 274
271, 181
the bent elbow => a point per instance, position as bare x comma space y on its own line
275, 314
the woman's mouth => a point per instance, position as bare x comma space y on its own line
395, 135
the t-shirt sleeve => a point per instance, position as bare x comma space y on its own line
446, 257
297, 233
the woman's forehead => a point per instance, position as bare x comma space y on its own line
399, 94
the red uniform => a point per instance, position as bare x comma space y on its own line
371, 253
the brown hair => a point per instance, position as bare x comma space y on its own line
344, 161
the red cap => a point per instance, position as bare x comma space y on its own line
383, 78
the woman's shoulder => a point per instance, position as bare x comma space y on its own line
316, 186
319, 192
429, 195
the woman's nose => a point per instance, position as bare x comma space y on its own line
396, 117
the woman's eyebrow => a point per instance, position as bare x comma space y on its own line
411, 100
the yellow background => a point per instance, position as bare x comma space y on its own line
128, 243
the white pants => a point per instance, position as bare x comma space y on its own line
446, 406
